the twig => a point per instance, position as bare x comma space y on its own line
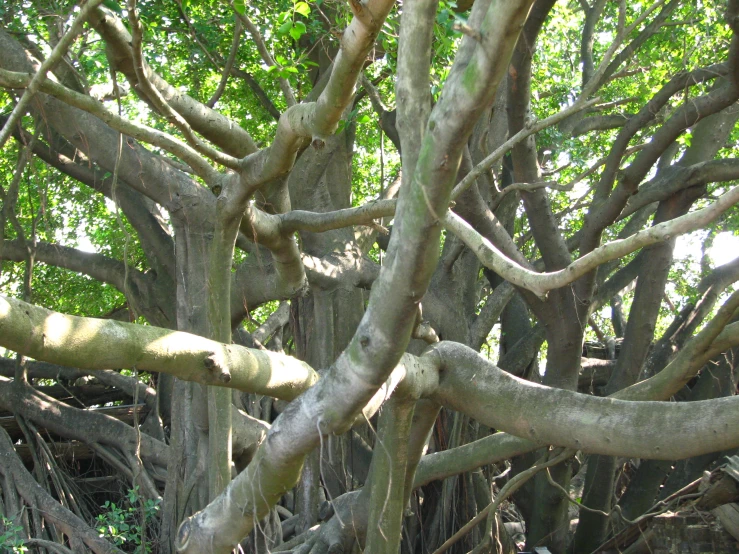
526, 187
238, 28
524, 133
510, 487
56, 54
267, 57
160, 103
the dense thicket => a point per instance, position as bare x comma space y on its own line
320, 276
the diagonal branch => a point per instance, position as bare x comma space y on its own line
158, 100
97, 266
12, 79
40, 76
256, 36
209, 123
540, 283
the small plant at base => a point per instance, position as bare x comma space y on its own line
122, 523
10, 539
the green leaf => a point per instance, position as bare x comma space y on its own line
298, 30
112, 5
240, 6
302, 8
285, 28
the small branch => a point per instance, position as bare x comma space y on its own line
594, 326
467, 30
524, 133
12, 79
160, 103
256, 36
510, 487
40, 76
315, 222
97, 266
526, 187
540, 283
276, 320
373, 94
229, 64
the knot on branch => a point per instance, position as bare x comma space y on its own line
183, 536
360, 11
217, 367
318, 143
467, 30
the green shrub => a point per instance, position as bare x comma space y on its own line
122, 523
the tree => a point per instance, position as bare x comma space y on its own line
227, 224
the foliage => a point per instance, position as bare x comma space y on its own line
128, 523
10, 538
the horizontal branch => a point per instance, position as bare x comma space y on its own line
675, 178
474, 386
540, 283
94, 344
315, 222
95, 265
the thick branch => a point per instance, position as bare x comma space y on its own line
107, 344
213, 125
583, 422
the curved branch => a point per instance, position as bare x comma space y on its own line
540, 283
471, 384
211, 124
97, 266
315, 222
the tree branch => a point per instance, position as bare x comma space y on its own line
211, 124
107, 344
540, 283
11, 79
35, 81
